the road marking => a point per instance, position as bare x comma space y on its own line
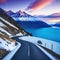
48, 54
28, 51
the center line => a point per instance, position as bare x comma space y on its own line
28, 51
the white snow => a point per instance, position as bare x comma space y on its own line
5, 31
8, 22
5, 44
12, 53
45, 42
1, 24
27, 18
19, 34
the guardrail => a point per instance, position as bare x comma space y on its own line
52, 45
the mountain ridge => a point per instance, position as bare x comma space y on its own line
10, 23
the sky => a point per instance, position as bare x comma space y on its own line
33, 7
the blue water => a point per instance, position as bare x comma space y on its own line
45, 32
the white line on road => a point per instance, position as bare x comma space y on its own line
49, 55
28, 51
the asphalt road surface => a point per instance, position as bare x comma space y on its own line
29, 51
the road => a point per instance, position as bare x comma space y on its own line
29, 51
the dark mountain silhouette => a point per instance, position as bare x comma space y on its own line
18, 14
54, 15
33, 24
10, 13
57, 24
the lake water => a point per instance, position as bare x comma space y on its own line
47, 35
47, 32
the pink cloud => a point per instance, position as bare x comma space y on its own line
39, 4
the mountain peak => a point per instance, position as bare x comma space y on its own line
21, 12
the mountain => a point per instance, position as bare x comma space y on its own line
7, 18
24, 14
27, 21
18, 14
10, 13
8, 29
33, 24
50, 19
54, 15
21, 15
10, 26
57, 24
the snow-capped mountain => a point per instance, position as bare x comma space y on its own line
8, 29
21, 15
9, 25
10, 13
7, 18
27, 21
18, 14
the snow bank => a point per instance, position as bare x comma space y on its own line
52, 45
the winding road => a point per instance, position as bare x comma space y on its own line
29, 51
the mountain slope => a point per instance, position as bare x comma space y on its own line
10, 12
21, 15
10, 25
57, 24
18, 14
33, 24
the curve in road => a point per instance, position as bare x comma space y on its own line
29, 51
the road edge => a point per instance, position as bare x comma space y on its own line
12, 53
49, 55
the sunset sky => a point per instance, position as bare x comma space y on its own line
33, 7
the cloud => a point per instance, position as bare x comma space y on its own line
52, 21
38, 4
2, 1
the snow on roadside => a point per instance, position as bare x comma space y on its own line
5, 45
45, 42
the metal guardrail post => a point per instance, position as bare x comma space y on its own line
45, 44
52, 47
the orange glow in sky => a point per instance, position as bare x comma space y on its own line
53, 21
40, 4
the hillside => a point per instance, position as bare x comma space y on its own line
10, 25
